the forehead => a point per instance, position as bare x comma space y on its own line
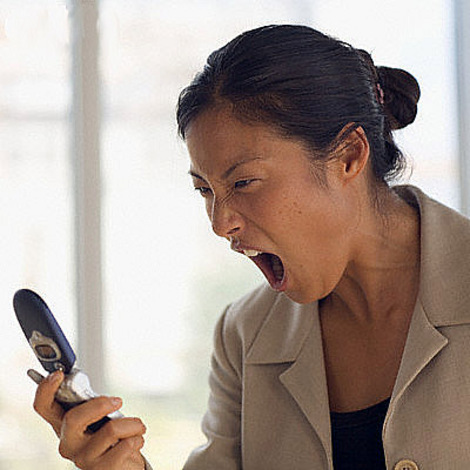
216, 139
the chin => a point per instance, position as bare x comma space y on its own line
303, 297
307, 296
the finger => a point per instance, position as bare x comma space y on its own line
126, 454
129, 447
111, 434
81, 416
44, 403
73, 433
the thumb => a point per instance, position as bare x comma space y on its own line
44, 402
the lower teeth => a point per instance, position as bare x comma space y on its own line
277, 268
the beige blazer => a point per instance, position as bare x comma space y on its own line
268, 407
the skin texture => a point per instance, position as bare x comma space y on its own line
362, 265
115, 446
272, 202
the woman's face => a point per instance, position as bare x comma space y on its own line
261, 194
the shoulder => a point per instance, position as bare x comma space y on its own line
445, 233
434, 213
445, 259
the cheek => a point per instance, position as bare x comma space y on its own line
321, 236
261, 210
332, 219
318, 222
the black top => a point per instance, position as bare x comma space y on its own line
357, 438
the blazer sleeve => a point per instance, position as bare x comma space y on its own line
221, 423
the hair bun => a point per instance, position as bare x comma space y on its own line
401, 95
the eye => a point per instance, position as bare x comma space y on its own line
243, 183
203, 191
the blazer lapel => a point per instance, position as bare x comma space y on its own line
423, 343
292, 334
305, 380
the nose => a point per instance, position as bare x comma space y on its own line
225, 221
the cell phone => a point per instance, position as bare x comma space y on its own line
51, 347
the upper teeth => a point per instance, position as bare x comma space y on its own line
251, 253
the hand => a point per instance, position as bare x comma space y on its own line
115, 446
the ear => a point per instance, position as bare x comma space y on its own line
352, 153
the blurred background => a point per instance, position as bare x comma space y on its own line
97, 210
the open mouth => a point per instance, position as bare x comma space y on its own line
271, 266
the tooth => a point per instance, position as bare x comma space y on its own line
277, 268
251, 253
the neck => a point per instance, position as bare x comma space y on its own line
382, 276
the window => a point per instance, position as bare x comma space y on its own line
166, 276
36, 248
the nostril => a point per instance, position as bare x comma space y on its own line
234, 242
225, 220
225, 231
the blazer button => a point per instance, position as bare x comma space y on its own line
406, 465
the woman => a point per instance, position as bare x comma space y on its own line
354, 356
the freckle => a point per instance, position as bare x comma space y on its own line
296, 209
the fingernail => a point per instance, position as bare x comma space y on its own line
116, 401
54, 377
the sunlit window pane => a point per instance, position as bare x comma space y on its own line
35, 208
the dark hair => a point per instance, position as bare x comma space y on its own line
308, 86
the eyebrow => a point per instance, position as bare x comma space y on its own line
230, 170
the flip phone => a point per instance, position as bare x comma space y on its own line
54, 352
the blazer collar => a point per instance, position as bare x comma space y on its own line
423, 343
283, 333
291, 334
445, 259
